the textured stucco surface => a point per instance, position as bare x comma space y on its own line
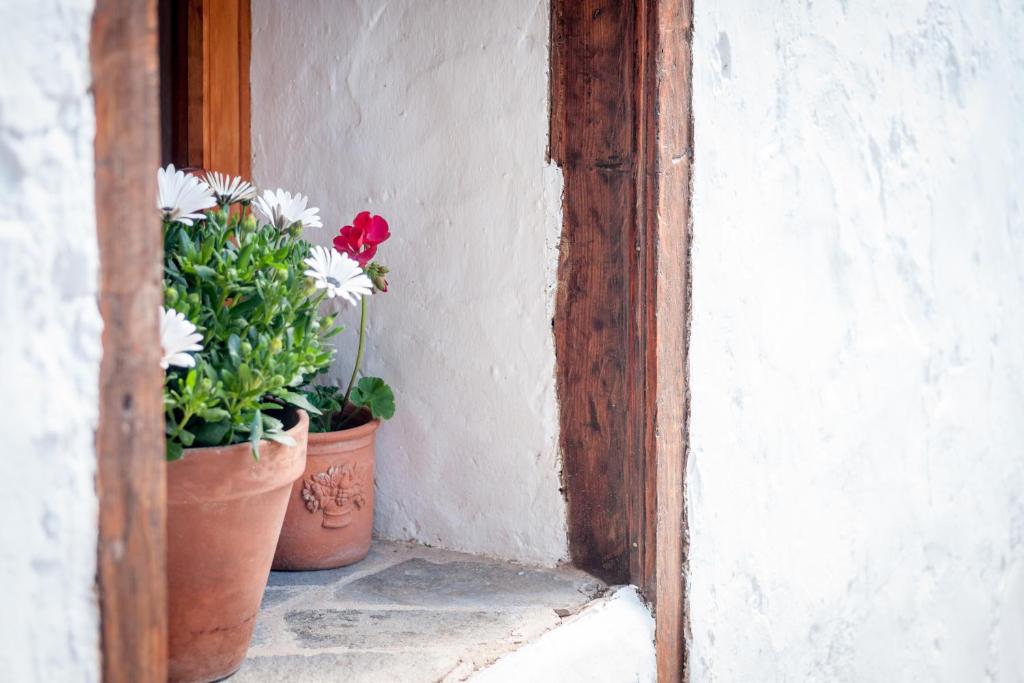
50, 351
856, 486
434, 114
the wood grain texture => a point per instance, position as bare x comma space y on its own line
666, 189
129, 440
592, 140
206, 50
621, 131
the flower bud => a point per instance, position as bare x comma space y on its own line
379, 281
249, 223
376, 273
171, 295
245, 348
276, 344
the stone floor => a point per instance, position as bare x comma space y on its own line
406, 614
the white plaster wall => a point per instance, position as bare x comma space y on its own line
610, 641
434, 114
50, 345
856, 486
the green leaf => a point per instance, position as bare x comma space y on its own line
185, 244
280, 437
211, 433
298, 400
256, 433
373, 393
174, 450
271, 424
234, 342
214, 414
205, 272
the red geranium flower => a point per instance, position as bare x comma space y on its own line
359, 241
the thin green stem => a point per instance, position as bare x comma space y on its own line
359, 351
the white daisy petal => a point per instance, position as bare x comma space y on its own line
229, 189
282, 210
338, 274
178, 337
182, 197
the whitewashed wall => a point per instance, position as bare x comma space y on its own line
857, 476
434, 114
50, 348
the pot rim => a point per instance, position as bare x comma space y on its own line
222, 473
200, 450
347, 434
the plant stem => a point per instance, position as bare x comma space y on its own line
359, 352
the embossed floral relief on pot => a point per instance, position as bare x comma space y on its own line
337, 493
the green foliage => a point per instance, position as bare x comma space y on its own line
242, 285
373, 393
370, 393
328, 401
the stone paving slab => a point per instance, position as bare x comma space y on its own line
407, 613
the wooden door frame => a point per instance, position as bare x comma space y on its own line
621, 131
205, 48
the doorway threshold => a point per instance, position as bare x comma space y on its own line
408, 613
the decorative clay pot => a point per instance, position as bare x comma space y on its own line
224, 514
330, 511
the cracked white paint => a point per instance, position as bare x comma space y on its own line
50, 349
856, 485
434, 114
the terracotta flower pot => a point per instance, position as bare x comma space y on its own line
224, 514
330, 511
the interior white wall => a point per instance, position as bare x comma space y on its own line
434, 114
50, 350
856, 486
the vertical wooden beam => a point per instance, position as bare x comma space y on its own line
592, 139
129, 440
621, 132
667, 139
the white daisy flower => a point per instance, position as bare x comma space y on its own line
178, 337
229, 189
181, 197
338, 274
281, 209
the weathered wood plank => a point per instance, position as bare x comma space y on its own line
620, 130
669, 153
592, 141
129, 440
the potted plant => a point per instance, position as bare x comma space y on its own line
329, 522
241, 331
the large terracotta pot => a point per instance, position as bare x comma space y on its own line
224, 514
330, 511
